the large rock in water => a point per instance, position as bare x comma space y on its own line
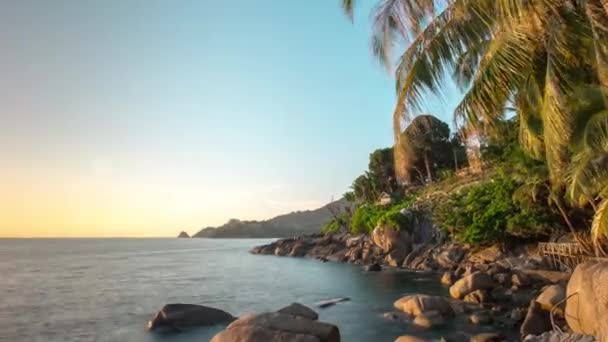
390, 239
279, 327
537, 321
587, 303
470, 283
179, 316
415, 305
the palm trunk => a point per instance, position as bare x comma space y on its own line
582, 243
427, 164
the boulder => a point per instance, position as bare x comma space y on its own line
468, 284
556, 336
375, 267
551, 297
409, 338
518, 314
179, 316
276, 327
448, 279
390, 239
477, 297
587, 303
537, 321
299, 310
429, 319
488, 337
417, 304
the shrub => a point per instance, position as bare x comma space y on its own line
365, 218
487, 213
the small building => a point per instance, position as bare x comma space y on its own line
385, 199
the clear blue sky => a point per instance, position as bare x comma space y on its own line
146, 117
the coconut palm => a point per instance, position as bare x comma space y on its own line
533, 55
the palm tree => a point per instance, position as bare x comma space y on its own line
533, 55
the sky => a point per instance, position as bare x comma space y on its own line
148, 117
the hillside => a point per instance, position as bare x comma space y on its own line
295, 223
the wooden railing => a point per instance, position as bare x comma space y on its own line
564, 254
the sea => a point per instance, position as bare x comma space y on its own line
108, 289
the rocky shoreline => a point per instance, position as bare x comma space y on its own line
508, 291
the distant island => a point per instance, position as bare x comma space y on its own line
288, 225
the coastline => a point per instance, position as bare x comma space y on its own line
493, 288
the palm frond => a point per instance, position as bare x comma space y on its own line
599, 227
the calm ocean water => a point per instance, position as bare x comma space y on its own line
107, 289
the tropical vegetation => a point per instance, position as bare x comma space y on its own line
543, 62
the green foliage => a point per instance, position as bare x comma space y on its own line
488, 212
331, 227
365, 218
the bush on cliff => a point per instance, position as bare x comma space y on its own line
489, 212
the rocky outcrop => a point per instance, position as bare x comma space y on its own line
183, 235
587, 303
390, 239
292, 323
180, 316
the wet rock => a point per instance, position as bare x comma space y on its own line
429, 319
468, 284
537, 321
417, 304
375, 267
179, 316
299, 249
